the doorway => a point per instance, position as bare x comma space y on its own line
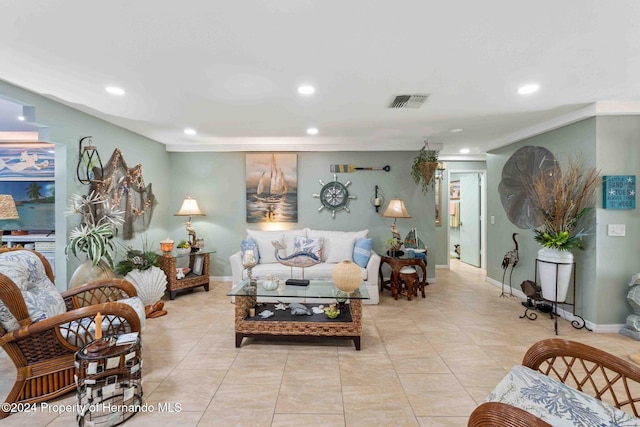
466, 225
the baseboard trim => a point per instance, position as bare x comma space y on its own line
565, 314
220, 278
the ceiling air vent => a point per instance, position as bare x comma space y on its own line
408, 101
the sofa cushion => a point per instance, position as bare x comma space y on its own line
336, 243
362, 251
265, 248
340, 249
264, 238
40, 295
279, 271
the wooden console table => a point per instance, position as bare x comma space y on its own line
396, 264
191, 280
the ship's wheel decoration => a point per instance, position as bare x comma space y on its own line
334, 196
125, 189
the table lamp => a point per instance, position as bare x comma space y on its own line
190, 208
7, 210
396, 210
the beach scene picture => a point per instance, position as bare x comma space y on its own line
272, 188
35, 202
27, 162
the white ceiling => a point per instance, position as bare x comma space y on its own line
230, 69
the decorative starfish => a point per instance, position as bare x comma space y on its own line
281, 306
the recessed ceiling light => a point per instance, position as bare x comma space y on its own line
456, 130
21, 118
189, 131
464, 151
312, 131
306, 90
528, 89
115, 90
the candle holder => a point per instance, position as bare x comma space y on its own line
249, 261
166, 246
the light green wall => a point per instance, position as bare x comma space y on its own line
217, 181
65, 126
606, 265
618, 153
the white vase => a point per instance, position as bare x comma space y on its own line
554, 270
86, 273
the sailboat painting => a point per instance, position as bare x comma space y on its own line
272, 187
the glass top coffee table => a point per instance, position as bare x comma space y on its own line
248, 322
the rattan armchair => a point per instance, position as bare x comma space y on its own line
43, 351
587, 369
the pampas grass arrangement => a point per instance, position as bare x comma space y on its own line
562, 199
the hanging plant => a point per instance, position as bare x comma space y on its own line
424, 167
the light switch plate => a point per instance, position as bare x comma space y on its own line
616, 230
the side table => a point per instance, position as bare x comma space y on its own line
109, 380
191, 280
396, 263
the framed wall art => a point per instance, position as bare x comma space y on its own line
454, 190
27, 162
271, 188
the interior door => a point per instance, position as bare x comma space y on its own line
470, 191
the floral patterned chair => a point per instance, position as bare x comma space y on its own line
41, 328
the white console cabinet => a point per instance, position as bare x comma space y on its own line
45, 244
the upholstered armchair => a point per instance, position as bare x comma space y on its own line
41, 328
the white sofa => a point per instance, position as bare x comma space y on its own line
336, 247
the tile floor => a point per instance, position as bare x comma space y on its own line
426, 362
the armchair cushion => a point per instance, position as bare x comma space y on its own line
555, 402
40, 295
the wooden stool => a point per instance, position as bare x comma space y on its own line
409, 279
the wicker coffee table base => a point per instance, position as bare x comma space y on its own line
335, 329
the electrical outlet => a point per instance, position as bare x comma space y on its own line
616, 230
493, 220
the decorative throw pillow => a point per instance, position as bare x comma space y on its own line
310, 245
362, 252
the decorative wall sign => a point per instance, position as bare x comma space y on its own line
619, 192
271, 187
27, 162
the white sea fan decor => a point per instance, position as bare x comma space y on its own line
150, 284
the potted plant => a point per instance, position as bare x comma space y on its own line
424, 167
561, 200
183, 248
140, 267
93, 237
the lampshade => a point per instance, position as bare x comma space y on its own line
396, 209
189, 208
8, 207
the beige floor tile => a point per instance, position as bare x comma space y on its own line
424, 362
303, 397
308, 420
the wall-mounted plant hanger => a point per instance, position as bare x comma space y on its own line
88, 161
